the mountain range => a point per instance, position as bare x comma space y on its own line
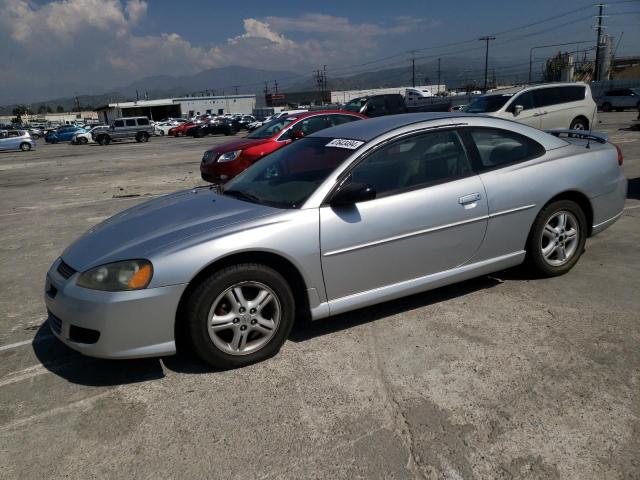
454, 72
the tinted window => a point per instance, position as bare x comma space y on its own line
131, 123
545, 96
376, 106
118, 123
500, 147
340, 119
143, 121
413, 162
356, 104
525, 99
269, 129
572, 94
487, 103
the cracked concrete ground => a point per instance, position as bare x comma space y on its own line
499, 377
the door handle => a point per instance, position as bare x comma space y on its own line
471, 198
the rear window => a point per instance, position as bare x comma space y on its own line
143, 121
499, 148
553, 96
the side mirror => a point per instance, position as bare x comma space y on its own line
297, 134
353, 193
517, 110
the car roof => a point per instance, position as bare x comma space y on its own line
374, 127
513, 90
301, 115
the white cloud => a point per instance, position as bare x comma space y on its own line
95, 41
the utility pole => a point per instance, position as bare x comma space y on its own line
599, 28
324, 83
275, 82
413, 67
438, 76
236, 88
486, 39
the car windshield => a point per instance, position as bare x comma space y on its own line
487, 103
356, 104
287, 177
269, 129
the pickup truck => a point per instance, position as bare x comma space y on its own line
393, 103
138, 128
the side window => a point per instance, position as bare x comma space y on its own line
118, 123
131, 122
414, 162
376, 106
525, 99
500, 147
544, 97
311, 124
143, 121
340, 119
572, 94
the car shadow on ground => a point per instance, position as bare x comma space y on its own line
633, 189
79, 369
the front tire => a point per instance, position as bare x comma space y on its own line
557, 238
240, 315
82, 141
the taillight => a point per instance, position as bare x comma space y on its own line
620, 156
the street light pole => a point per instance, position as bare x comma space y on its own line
486, 58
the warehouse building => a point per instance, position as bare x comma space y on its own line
184, 107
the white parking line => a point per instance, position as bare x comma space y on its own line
25, 342
631, 207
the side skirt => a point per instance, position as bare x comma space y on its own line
416, 285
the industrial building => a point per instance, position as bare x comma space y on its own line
185, 107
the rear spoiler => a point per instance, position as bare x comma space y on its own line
587, 135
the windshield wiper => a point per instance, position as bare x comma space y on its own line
240, 195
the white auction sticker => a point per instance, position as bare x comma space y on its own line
344, 143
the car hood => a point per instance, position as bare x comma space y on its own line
145, 229
241, 144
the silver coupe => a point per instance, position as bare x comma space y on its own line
347, 217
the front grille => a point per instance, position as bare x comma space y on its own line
65, 270
55, 323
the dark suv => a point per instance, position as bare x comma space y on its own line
378, 105
138, 128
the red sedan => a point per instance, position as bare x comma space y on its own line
223, 162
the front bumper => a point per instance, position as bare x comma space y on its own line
131, 324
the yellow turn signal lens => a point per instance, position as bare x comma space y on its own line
141, 278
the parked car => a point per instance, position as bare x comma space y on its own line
16, 139
554, 105
221, 125
245, 120
162, 128
181, 129
620, 99
127, 128
35, 132
344, 218
377, 105
62, 134
223, 162
87, 136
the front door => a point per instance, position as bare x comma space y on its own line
530, 115
430, 215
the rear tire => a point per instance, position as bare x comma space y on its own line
25, 147
82, 141
263, 329
606, 107
579, 124
557, 238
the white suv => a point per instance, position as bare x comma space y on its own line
548, 106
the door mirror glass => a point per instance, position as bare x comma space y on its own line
353, 193
517, 110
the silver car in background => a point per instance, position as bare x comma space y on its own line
16, 140
347, 217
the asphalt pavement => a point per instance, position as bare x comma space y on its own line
503, 376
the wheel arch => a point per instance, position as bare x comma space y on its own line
276, 261
578, 197
581, 117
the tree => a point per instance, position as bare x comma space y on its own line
42, 109
49, 109
60, 109
19, 111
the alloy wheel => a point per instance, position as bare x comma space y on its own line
244, 318
560, 238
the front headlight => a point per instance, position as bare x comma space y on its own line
229, 156
118, 276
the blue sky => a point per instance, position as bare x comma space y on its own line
107, 43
